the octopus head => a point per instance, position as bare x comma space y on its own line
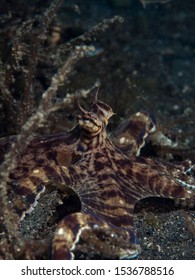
95, 120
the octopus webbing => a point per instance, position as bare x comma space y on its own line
107, 174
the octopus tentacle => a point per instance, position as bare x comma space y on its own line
165, 180
102, 237
130, 136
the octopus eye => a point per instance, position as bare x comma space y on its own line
103, 110
90, 122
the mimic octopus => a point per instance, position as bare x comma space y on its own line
107, 174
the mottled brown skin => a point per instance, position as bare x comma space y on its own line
108, 178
